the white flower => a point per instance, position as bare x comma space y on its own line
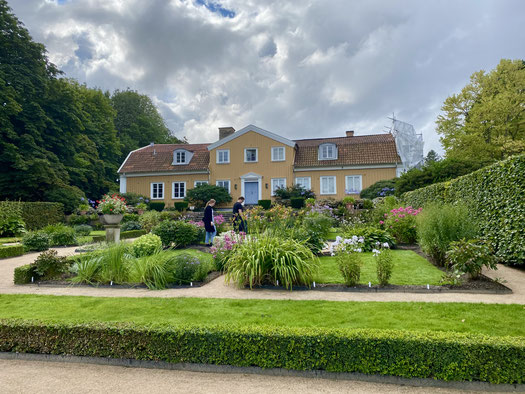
359, 250
361, 239
338, 239
375, 252
354, 238
332, 254
385, 245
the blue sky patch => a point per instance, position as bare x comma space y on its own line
216, 7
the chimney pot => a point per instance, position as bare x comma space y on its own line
225, 132
350, 133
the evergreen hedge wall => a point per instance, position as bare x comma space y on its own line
439, 355
37, 215
496, 196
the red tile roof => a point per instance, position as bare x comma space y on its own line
356, 150
159, 158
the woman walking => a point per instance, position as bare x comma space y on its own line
209, 224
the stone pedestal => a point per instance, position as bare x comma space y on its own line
112, 233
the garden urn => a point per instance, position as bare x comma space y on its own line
113, 219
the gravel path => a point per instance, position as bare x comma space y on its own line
51, 377
515, 279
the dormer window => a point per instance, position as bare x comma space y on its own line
327, 152
181, 157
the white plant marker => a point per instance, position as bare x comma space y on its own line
277, 283
111, 283
369, 284
191, 284
428, 286
32, 279
314, 284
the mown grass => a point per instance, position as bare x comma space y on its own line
489, 319
409, 269
334, 232
9, 240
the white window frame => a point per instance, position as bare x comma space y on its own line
151, 190
274, 148
182, 154
224, 180
321, 185
256, 155
273, 184
200, 182
173, 190
360, 178
321, 151
219, 151
309, 181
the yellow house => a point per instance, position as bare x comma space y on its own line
253, 162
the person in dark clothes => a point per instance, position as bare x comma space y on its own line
239, 223
209, 224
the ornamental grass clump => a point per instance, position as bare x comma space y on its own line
271, 259
151, 270
384, 264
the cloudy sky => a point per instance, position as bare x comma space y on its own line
298, 68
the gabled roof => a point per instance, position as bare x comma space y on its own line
255, 129
366, 149
156, 158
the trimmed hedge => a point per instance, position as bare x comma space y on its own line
37, 215
266, 204
438, 355
495, 194
123, 235
297, 202
11, 251
156, 206
24, 273
180, 205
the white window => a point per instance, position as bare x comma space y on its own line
353, 184
198, 183
157, 191
250, 155
278, 153
278, 183
224, 183
180, 157
223, 156
328, 185
327, 152
178, 190
305, 182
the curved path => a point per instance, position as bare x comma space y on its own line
515, 279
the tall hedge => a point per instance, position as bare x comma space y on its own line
496, 196
38, 215
439, 355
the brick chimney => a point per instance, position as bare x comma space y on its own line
225, 132
350, 133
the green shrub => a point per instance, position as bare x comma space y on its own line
312, 238
11, 251
200, 234
11, 222
266, 204
61, 235
48, 265
495, 196
178, 233
287, 193
471, 256
438, 225
68, 196
180, 205
271, 259
146, 245
37, 241
297, 202
133, 199
131, 225
24, 274
401, 223
349, 264
83, 229
37, 215
367, 204
318, 222
77, 220
182, 268
384, 265
372, 236
130, 217
156, 206
149, 219
379, 189
131, 234
86, 268
100, 238
200, 195
383, 206
409, 354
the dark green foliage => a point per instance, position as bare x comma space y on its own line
367, 203
24, 274
201, 194
37, 241
349, 264
156, 206
379, 189
200, 234
372, 236
75, 219
61, 235
131, 234
178, 233
37, 215
83, 229
68, 196
182, 268
471, 256
312, 238
287, 193
266, 204
297, 202
411, 354
495, 196
11, 222
130, 217
131, 225
181, 205
132, 199
384, 266
48, 265
11, 251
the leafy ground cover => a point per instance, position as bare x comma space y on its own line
489, 319
409, 269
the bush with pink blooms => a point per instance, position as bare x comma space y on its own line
401, 224
223, 246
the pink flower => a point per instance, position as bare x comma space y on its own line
381, 222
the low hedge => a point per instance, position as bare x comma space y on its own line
11, 251
438, 355
266, 204
24, 273
156, 206
297, 202
495, 196
180, 205
123, 235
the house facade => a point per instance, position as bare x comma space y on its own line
253, 162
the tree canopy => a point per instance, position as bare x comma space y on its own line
486, 120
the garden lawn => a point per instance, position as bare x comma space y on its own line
98, 232
409, 269
334, 232
489, 319
9, 240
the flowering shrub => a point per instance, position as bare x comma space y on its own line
371, 236
352, 244
384, 264
401, 223
223, 246
146, 245
112, 205
471, 256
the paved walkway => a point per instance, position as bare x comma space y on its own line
515, 279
